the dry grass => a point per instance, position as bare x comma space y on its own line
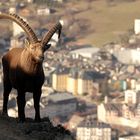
107, 21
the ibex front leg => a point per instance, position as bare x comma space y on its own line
21, 105
36, 97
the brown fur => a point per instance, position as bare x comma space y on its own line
22, 67
22, 70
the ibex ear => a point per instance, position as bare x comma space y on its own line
27, 43
46, 47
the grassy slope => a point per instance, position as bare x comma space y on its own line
109, 22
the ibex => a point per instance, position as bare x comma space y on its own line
23, 69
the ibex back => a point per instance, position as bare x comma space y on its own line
22, 67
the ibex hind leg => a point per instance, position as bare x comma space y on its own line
7, 89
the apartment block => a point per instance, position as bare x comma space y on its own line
77, 81
59, 79
105, 111
93, 130
132, 96
72, 81
128, 111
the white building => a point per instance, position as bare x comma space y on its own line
17, 29
132, 96
92, 130
43, 11
12, 10
135, 137
128, 56
85, 52
107, 111
30, 1
137, 112
60, 1
137, 26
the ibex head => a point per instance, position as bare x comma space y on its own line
36, 50
34, 46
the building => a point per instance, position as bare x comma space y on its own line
43, 11
135, 137
128, 111
87, 52
59, 79
60, 1
77, 81
128, 56
56, 104
30, 1
87, 81
82, 82
74, 121
12, 10
132, 97
137, 111
93, 130
17, 41
42, 1
106, 111
17, 29
137, 26
60, 104
72, 81
137, 85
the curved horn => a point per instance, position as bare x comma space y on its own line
50, 33
21, 23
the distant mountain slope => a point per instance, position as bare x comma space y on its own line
105, 22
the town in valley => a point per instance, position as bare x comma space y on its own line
93, 91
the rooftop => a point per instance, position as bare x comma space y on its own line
58, 97
93, 124
86, 52
90, 75
135, 137
113, 107
61, 70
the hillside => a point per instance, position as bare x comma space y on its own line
89, 21
105, 22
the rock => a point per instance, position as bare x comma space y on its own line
30, 130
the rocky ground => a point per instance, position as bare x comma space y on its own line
10, 129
